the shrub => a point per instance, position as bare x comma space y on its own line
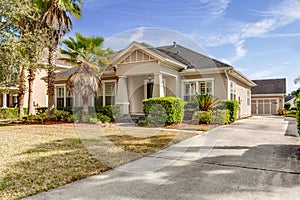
232, 106
298, 115
202, 117
112, 111
205, 102
143, 122
157, 116
103, 118
281, 111
287, 105
174, 108
220, 116
40, 110
9, 113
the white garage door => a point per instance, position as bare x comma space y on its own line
264, 106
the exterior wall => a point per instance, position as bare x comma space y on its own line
241, 97
39, 90
136, 93
219, 85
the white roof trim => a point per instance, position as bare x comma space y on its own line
153, 54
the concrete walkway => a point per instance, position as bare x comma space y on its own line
254, 158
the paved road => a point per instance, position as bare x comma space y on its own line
254, 158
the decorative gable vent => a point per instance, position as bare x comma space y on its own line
137, 56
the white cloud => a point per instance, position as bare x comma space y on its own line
139, 33
239, 50
275, 17
260, 74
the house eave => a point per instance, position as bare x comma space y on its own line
268, 95
204, 71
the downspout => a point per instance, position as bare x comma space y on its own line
226, 74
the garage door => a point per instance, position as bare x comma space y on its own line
264, 106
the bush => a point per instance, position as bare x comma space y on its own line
9, 113
287, 105
174, 108
112, 111
281, 111
202, 117
298, 115
231, 105
157, 116
220, 117
40, 110
103, 118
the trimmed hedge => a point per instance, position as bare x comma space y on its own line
112, 111
220, 117
232, 106
298, 115
10, 113
173, 109
212, 117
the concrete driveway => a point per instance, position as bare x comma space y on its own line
254, 158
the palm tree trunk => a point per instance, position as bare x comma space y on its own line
85, 105
22, 90
31, 77
51, 80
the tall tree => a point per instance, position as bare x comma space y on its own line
22, 34
87, 53
56, 16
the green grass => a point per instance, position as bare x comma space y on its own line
291, 114
36, 158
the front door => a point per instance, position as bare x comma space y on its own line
149, 89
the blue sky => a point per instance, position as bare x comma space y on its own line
260, 38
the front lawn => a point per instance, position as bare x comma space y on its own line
36, 158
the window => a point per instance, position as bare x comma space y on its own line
107, 95
60, 95
232, 90
201, 86
248, 98
69, 99
64, 97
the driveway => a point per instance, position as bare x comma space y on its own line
255, 158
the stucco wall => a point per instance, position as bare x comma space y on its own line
39, 90
241, 97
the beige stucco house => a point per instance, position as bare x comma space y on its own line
141, 71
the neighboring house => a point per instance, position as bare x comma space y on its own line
141, 71
268, 96
290, 99
9, 94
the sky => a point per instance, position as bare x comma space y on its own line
260, 38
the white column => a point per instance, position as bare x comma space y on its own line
158, 86
4, 100
122, 95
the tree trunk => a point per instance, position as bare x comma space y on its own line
51, 80
85, 105
31, 77
22, 90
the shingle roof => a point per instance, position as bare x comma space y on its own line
269, 86
70, 71
288, 98
191, 58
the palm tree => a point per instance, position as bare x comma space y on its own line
55, 15
88, 55
205, 101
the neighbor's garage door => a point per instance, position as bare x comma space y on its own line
264, 106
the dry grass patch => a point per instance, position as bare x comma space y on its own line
36, 158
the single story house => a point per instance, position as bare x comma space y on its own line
268, 96
290, 99
141, 71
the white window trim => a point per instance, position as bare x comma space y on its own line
65, 94
197, 84
103, 89
229, 90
